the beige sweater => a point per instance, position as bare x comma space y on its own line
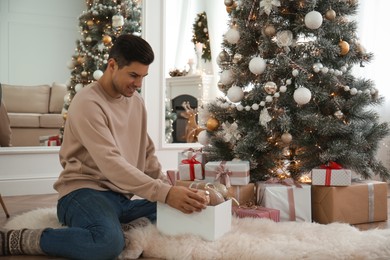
106, 147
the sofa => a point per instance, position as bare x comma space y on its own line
34, 112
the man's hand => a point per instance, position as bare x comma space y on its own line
185, 199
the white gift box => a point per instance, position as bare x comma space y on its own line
210, 224
191, 154
190, 172
293, 202
331, 177
236, 171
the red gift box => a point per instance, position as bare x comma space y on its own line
256, 212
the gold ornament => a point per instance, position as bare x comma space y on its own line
80, 59
286, 138
65, 115
344, 47
270, 87
107, 39
89, 22
229, 2
330, 14
229, 9
269, 30
212, 124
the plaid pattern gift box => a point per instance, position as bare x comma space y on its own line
291, 198
256, 212
361, 202
227, 172
331, 175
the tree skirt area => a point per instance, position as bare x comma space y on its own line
248, 239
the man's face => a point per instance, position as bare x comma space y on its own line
128, 79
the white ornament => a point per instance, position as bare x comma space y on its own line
302, 95
118, 20
226, 77
257, 65
240, 107
203, 138
283, 89
232, 36
70, 65
255, 106
313, 20
353, 91
235, 94
97, 74
264, 117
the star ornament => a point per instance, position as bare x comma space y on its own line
267, 5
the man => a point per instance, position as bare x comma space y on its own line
107, 156
5, 129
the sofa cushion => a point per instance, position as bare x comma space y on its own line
51, 121
24, 119
26, 99
56, 102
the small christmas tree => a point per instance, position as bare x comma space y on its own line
292, 102
100, 25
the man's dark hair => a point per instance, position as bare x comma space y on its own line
128, 48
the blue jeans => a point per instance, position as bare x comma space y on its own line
93, 219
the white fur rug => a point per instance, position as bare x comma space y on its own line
248, 239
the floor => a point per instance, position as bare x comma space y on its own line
20, 204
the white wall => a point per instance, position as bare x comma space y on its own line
37, 39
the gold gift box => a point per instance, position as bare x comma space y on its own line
362, 202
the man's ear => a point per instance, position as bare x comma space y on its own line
111, 63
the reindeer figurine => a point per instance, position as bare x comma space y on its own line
192, 128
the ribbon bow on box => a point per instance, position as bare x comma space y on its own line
329, 167
223, 173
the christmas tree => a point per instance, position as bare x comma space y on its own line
100, 25
292, 102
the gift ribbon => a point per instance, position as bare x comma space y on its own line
191, 161
370, 202
192, 153
329, 167
286, 182
290, 193
223, 173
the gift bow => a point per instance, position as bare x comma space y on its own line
191, 161
223, 173
329, 167
286, 182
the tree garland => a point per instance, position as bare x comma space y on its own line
201, 35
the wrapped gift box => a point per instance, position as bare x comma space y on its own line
244, 194
293, 202
332, 175
210, 224
256, 212
362, 202
172, 176
227, 172
190, 172
192, 155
